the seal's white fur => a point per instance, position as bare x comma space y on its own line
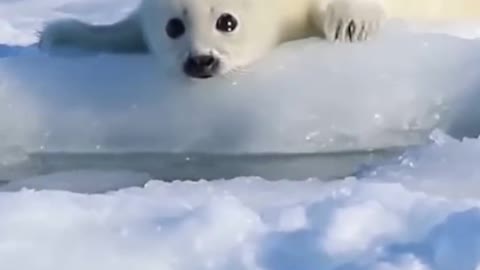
262, 25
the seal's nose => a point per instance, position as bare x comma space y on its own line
201, 66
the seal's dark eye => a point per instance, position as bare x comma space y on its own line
175, 28
226, 23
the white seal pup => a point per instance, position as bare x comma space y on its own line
212, 37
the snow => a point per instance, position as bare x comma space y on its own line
419, 210
244, 223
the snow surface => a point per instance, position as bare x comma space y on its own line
418, 212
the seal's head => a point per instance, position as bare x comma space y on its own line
208, 37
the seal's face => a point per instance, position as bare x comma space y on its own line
207, 37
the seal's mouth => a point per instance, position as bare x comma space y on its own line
201, 66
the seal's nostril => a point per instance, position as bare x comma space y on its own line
201, 66
203, 60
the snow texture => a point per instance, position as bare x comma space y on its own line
419, 211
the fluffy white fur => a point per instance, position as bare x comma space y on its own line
263, 24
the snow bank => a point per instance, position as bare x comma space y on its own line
414, 214
249, 223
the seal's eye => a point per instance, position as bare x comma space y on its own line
226, 23
175, 28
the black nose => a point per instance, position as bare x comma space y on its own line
201, 66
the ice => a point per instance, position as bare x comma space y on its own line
419, 211
127, 103
458, 178
87, 181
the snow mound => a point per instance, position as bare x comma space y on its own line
249, 223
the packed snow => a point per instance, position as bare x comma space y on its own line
414, 87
